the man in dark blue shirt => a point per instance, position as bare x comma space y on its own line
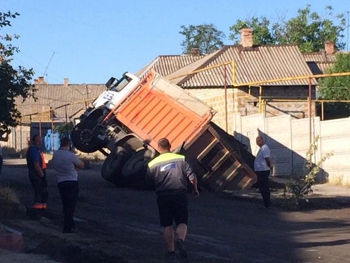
169, 173
37, 175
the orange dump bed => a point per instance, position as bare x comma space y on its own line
160, 109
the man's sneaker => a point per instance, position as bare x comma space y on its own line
179, 247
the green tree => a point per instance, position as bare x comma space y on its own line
13, 82
205, 37
336, 88
308, 30
261, 26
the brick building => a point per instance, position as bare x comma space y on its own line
250, 79
55, 104
240, 79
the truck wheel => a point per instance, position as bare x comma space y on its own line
134, 170
112, 167
82, 138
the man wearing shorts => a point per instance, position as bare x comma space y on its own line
169, 173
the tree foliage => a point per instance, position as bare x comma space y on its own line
205, 37
13, 82
336, 88
261, 26
308, 30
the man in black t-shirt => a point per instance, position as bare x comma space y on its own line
169, 173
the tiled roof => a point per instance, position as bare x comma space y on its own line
254, 64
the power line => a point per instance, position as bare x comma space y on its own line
53, 53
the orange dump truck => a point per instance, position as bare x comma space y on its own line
152, 108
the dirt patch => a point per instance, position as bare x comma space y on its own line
42, 237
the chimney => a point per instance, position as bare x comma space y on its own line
65, 82
329, 47
246, 37
195, 52
41, 80
36, 82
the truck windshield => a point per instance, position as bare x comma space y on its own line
121, 84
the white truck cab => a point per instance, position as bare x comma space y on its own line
116, 91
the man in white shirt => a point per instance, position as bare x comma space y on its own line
262, 168
66, 163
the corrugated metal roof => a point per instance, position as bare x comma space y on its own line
165, 65
319, 67
319, 61
324, 65
254, 64
182, 74
53, 95
320, 56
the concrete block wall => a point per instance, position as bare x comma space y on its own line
335, 137
19, 138
289, 140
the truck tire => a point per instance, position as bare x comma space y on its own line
112, 167
82, 138
134, 170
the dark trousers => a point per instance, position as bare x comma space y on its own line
39, 184
263, 184
69, 191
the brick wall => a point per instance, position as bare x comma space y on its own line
275, 101
216, 99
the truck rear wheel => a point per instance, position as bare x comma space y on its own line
134, 170
112, 167
83, 139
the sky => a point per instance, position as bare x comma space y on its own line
91, 41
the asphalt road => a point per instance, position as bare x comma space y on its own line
121, 225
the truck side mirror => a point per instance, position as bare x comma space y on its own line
110, 82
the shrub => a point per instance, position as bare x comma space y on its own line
299, 188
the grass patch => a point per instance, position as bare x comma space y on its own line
9, 194
9, 201
338, 180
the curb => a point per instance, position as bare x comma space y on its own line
10, 239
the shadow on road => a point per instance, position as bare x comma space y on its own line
122, 224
